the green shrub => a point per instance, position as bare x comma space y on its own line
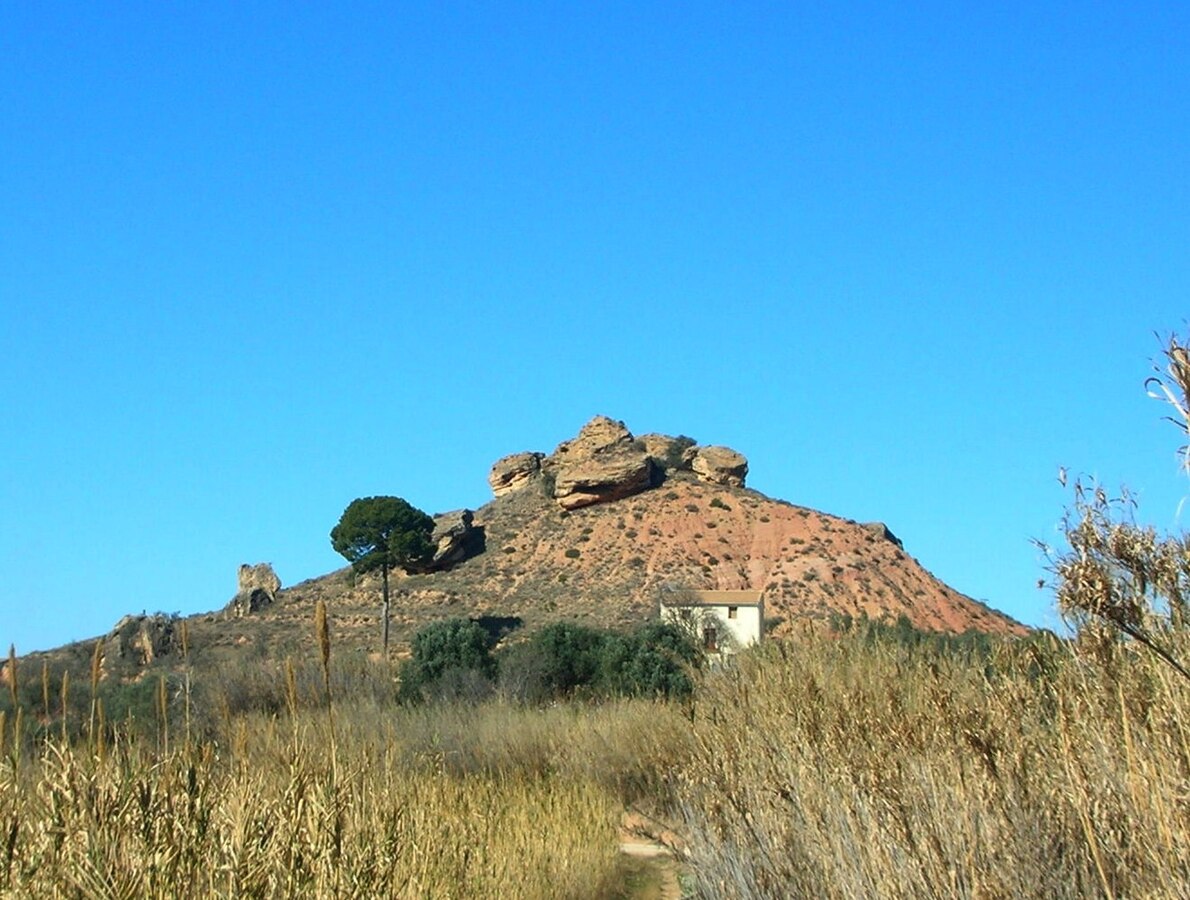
653, 661
559, 660
568, 659
450, 658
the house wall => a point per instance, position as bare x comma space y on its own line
744, 629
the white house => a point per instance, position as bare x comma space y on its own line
723, 621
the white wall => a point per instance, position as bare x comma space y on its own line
744, 629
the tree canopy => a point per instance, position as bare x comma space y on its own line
383, 533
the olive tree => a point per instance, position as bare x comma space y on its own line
384, 533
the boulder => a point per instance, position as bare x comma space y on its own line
667, 452
602, 478
600, 435
718, 465
602, 463
257, 588
514, 472
881, 532
455, 539
142, 639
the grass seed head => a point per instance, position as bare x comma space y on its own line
12, 673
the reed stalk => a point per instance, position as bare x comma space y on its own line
96, 704
65, 700
322, 633
186, 675
12, 675
163, 713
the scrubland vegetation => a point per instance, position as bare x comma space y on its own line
852, 765
871, 761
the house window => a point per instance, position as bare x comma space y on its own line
710, 638
733, 612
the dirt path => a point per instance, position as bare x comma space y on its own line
649, 869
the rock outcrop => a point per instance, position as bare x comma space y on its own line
602, 478
718, 465
601, 464
455, 538
512, 473
667, 452
882, 532
142, 639
257, 588
600, 435
604, 462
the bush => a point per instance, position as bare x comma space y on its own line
567, 659
1118, 582
568, 656
654, 661
450, 658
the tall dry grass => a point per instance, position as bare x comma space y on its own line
340, 795
279, 811
828, 767
835, 768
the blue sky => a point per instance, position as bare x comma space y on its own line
257, 260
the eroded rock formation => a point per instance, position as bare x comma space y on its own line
667, 452
257, 588
142, 639
718, 465
600, 479
600, 435
455, 538
604, 462
514, 472
882, 532
601, 464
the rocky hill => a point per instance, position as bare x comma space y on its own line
595, 532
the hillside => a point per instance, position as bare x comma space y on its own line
595, 532
605, 560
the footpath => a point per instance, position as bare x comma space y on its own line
650, 866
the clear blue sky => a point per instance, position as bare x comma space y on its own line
257, 260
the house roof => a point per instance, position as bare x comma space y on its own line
712, 598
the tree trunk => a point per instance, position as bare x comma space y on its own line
384, 610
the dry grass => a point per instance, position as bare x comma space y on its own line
838, 769
269, 813
347, 795
828, 767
